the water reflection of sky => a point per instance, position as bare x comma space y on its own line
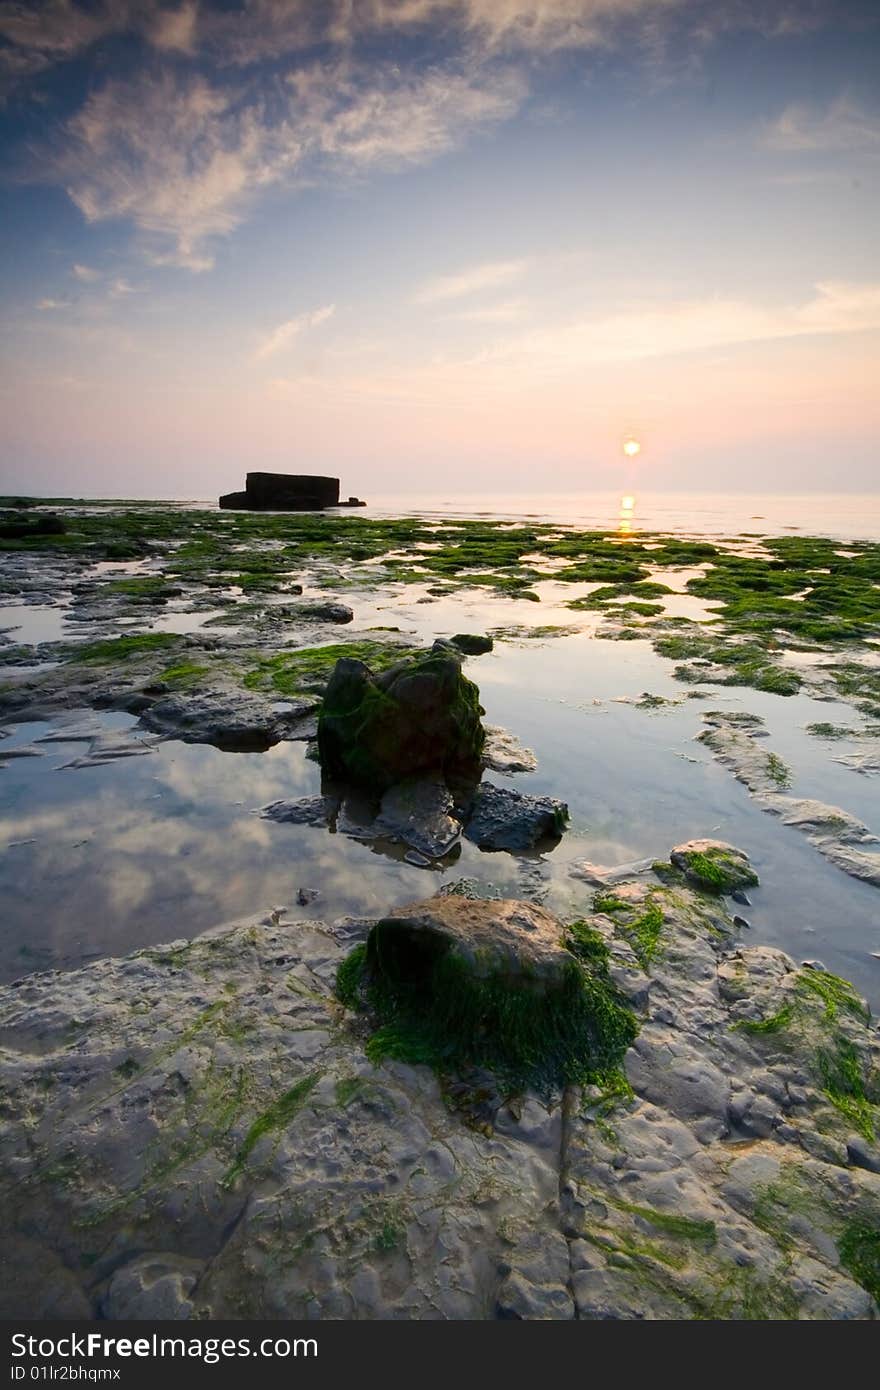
105, 859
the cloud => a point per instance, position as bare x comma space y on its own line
510, 311
179, 159
183, 159
38, 34
525, 363
86, 273
683, 327
285, 333
49, 304
842, 126
175, 30
477, 278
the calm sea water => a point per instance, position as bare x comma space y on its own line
844, 516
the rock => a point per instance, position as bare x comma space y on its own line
713, 866
420, 716
231, 718
503, 819
503, 752
863, 1154
37, 1284
517, 941
215, 1093
320, 612
472, 643
418, 813
286, 492
303, 810
839, 836
153, 1287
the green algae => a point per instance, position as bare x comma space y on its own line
859, 1247
853, 1094
716, 870
277, 1117
607, 902
672, 1225
761, 1027
587, 944
445, 1017
113, 649
185, 673
308, 669
644, 932
836, 994
778, 771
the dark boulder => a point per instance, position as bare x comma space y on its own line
421, 715
472, 643
503, 819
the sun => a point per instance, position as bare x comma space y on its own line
631, 447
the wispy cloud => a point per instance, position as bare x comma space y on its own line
682, 327
510, 311
47, 305
473, 280
86, 273
836, 128
175, 30
285, 333
183, 159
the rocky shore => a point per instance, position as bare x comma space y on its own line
471, 1107
207, 1130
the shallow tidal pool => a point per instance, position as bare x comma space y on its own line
101, 860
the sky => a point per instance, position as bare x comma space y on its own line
439, 246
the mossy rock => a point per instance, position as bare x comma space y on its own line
455, 983
421, 715
472, 643
713, 866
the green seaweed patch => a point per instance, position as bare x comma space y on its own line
443, 1016
844, 1083
587, 944
185, 673
667, 873
745, 1296
773, 1023
308, 669
125, 648
349, 1089
536, 632
749, 664
606, 902
277, 1117
778, 771
859, 1248
715, 870
146, 587
835, 731
836, 994
350, 978
644, 933
669, 1224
